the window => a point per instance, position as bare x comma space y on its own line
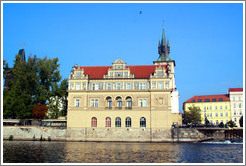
142, 122
217, 122
204, 107
153, 85
128, 86
226, 121
239, 98
221, 121
199, 100
235, 113
193, 100
216, 114
226, 107
235, 119
77, 103
213, 99
94, 122
210, 107
220, 99
109, 102
108, 122
233, 98
129, 102
210, 114
78, 86
94, 102
128, 122
118, 122
111, 74
78, 75
211, 122
226, 114
240, 105
118, 86
142, 86
93, 86
108, 86
126, 74
96, 87
167, 85
221, 107
204, 114
216, 107
159, 85
207, 99
221, 114
71, 86
142, 102
234, 105
119, 102
240, 113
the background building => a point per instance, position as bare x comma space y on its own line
236, 97
215, 107
140, 99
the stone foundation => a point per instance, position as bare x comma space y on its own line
105, 134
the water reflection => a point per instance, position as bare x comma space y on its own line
117, 152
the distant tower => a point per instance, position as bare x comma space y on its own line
163, 50
22, 54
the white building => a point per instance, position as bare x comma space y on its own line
236, 98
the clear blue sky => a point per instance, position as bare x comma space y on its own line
206, 39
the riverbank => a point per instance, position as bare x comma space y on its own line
32, 133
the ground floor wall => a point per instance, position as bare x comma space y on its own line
109, 134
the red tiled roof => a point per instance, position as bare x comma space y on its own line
140, 71
195, 99
235, 89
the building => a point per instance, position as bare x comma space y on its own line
217, 108
236, 97
122, 102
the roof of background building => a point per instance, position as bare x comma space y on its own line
140, 71
235, 89
208, 98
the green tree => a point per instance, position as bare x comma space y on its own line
193, 115
231, 124
34, 83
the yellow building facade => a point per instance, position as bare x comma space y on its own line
140, 99
217, 108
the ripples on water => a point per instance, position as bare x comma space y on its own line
117, 152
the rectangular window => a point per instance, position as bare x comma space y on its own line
193, 100
234, 105
211, 121
235, 119
217, 122
108, 86
142, 86
240, 112
226, 114
159, 85
78, 75
128, 86
221, 114
111, 74
220, 99
233, 98
213, 99
167, 85
96, 87
153, 85
240, 105
216, 107
77, 86
239, 98
210, 107
210, 114
226, 107
221, 107
226, 121
204, 114
126, 74
77, 103
235, 113
96, 102
93, 86
216, 114
207, 99
204, 107
92, 102
199, 100
71, 86
142, 102
118, 86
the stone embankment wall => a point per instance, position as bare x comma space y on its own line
107, 134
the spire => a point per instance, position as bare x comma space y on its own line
163, 40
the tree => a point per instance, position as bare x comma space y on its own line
231, 124
241, 121
34, 83
39, 111
193, 115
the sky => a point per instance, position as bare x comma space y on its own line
206, 39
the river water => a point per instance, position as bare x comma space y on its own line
121, 152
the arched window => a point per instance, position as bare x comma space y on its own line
94, 122
118, 122
128, 122
142, 122
129, 103
108, 122
109, 102
119, 102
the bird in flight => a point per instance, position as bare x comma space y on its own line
140, 12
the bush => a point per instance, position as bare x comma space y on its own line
11, 138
